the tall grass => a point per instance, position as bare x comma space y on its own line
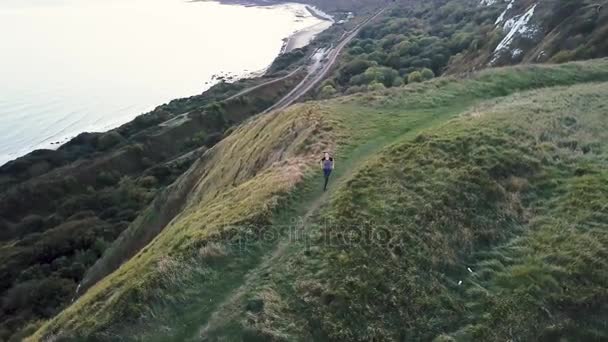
487, 227
439, 193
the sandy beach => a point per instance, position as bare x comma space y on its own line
302, 37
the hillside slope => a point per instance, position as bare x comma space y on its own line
491, 227
539, 31
61, 210
416, 40
248, 256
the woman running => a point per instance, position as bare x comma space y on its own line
327, 163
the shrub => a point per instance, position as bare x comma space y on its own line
213, 139
563, 56
397, 82
108, 178
383, 75
30, 224
427, 74
40, 296
109, 140
356, 89
197, 140
212, 251
414, 77
147, 181
285, 60
376, 86
351, 69
327, 91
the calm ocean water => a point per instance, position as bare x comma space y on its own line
69, 66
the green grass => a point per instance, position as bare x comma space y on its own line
446, 191
479, 192
239, 183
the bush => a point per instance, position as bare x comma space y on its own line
109, 140
29, 330
39, 296
107, 178
285, 60
213, 139
147, 181
351, 69
356, 89
327, 91
383, 75
414, 77
376, 86
563, 56
427, 74
30, 224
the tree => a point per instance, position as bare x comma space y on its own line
414, 77
375, 86
356, 51
383, 75
377, 56
109, 140
351, 69
427, 74
327, 91
397, 82
362, 79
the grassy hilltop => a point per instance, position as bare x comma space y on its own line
461, 209
202, 218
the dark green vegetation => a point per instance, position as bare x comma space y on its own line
61, 209
419, 199
411, 43
417, 40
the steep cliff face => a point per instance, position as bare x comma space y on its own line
535, 31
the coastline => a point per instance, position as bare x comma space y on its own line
297, 39
317, 13
304, 36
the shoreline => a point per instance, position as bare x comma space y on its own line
297, 39
319, 14
303, 37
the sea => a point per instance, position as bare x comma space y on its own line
70, 66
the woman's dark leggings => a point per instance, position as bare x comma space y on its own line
326, 173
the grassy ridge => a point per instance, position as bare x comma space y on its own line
550, 282
48, 249
171, 289
489, 227
306, 293
271, 155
